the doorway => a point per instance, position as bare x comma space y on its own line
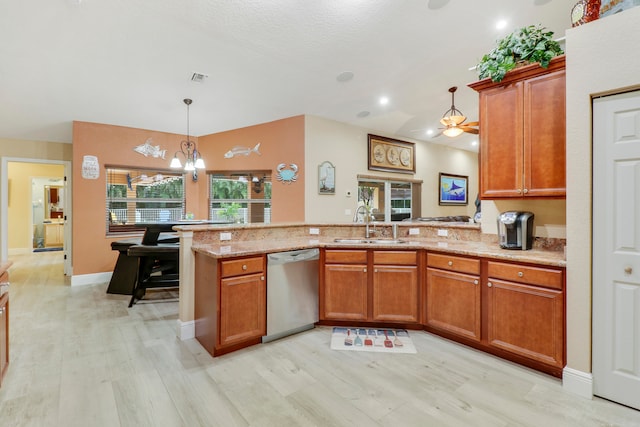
616, 248
18, 222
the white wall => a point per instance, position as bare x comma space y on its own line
346, 147
601, 57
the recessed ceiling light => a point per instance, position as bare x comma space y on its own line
429, 131
501, 24
474, 142
345, 76
384, 100
362, 114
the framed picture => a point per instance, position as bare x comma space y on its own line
326, 178
391, 155
453, 189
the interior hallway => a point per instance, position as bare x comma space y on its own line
79, 357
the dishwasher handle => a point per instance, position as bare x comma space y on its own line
293, 256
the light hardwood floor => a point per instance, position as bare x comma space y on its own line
80, 357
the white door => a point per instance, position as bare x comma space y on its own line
616, 248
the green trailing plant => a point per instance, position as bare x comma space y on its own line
528, 44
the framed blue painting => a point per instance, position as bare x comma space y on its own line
453, 189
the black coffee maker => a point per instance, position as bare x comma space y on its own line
515, 230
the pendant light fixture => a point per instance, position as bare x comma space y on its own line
189, 151
453, 120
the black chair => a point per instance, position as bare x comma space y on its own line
158, 267
125, 272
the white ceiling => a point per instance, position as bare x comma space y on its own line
129, 62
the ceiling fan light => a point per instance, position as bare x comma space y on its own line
457, 119
452, 131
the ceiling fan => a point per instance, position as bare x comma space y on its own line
453, 120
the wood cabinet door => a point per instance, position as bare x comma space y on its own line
544, 135
395, 293
453, 303
4, 335
345, 292
526, 320
501, 142
243, 302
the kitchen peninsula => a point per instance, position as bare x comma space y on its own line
461, 285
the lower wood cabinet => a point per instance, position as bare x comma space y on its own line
344, 290
370, 286
53, 235
525, 312
453, 295
230, 302
513, 310
4, 328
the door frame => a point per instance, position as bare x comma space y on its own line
4, 207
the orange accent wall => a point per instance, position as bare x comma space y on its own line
281, 141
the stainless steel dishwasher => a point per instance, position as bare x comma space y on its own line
292, 292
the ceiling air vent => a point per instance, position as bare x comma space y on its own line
198, 77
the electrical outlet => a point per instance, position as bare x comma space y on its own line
314, 231
443, 232
414, 231
225, 236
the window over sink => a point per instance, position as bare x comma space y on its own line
389, 199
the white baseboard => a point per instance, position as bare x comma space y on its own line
186, 330
90, 279
578, 382
20, 251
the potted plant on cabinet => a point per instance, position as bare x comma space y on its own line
523, 46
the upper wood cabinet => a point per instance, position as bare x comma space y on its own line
522, 133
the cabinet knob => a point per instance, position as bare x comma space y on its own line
450, 263
262, 278
520, 274
244, 266
489, 284
525, 191
628, 270
365, 270
475, 282
519, 191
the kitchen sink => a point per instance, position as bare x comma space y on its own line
371, 241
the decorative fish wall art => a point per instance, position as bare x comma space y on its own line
147, 150
244, 151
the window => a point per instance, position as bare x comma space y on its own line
389, 200
240, 197
138, 196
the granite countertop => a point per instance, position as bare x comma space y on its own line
472, 248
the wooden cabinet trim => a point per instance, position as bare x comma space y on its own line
237, 267
539, 276
395, 257
345, 256
453, 263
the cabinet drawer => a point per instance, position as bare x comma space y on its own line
345, 257
395, 257
454, 263
539, 276
237, 267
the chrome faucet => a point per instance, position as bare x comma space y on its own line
367, 217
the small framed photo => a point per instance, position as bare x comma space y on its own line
326, 178
453, 189
391, 155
